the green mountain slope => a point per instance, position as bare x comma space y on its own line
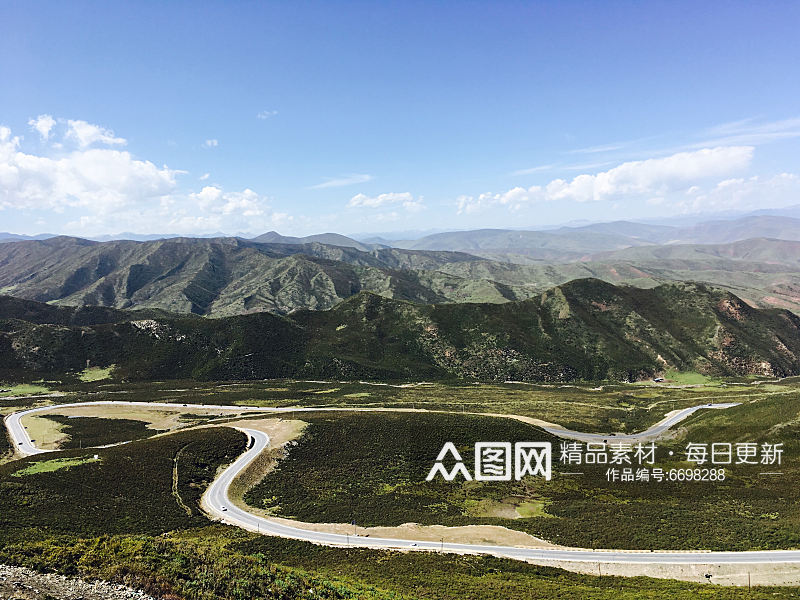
586, 329
227, 276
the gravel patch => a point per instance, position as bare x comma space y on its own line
19, 583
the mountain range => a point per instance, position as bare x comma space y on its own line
567, 244
583, 330
228, 276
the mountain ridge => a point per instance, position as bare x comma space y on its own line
227, 276
582, 330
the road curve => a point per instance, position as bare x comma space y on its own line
26, 447
653, 432
217, 502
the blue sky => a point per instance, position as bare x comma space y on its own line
353, 117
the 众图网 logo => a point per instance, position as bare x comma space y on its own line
497, 461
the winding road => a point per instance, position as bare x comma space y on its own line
217, 502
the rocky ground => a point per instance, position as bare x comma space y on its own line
18, 583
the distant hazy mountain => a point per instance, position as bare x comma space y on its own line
137, 237
586, 329
759, 226
575, 243
333, 239
786, 211
764, 251
541, 245
14, 237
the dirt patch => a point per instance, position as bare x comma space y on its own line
46, 434
752, 574
493, 535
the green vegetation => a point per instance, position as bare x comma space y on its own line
129, 490
183, 570
584, 330
605, 407
449, 577
687, 378
372, 468
96, 374
224, 277
85, 432
48, 466
23, 389
219, 562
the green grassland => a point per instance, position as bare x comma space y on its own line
129, 490
448, 577
23, 389
101, 519
372, 468
85, 432
600, 406
48, 466
96, 373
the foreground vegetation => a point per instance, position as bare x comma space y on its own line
120, 517
220, 563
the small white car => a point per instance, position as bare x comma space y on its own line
224, 509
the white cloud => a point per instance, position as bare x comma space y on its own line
751, 132
266, 114
204, 176
652, 178
211, 143
44, 125
214, 199
404, 199
655, 175
744, 193
598, 149
353, 179
104, 190
98, 178
86, 134
532, 170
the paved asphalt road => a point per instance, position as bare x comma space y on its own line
217, 502
25, 447
649, 434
